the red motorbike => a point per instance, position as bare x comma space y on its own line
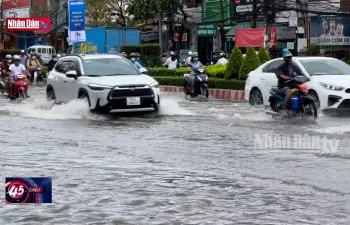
20, 87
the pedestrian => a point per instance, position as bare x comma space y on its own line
172, 61
222, 60
23, 58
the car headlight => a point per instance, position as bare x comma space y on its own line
154, 85
331, 87
98, 87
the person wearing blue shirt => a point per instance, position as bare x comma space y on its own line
134, 61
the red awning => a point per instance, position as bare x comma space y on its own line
248, 37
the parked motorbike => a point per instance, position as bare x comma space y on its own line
301, 104
200, 81
20, 88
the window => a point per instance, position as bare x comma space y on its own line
39, 50
43, 50
74, 65
272, 67
108, 67
50, 51
63, 66
326, 67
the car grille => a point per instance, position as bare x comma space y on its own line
345, 104
347, 90
132, 92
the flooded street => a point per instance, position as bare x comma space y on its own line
194, 163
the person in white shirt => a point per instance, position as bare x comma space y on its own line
189, 58
172, 61
16, 69
222, 60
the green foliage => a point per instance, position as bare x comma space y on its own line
213, 82
313, 50
250, 63
12, 52
217, 71
264, 55
234, 64
150, 53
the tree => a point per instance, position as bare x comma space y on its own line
264, 56
250, 63
234, 64
106, 12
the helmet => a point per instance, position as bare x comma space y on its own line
16, 57
172, 53
133, 55
222, 54
8, 57
286, 53
137, 54
22, 51
194, 54
58, 56
189, 53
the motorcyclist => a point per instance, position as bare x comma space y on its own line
32, 65
172, 61
189, 58
53, 62
284, 73
222, 59
138, 58
5, 72
16, 69
194, 65
133, 60
23, 58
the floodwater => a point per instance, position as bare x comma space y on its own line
193, 163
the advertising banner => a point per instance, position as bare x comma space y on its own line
330, 31
28, 24
247, 37
76, 21
17, 13
11, 4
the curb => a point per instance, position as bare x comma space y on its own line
222, 94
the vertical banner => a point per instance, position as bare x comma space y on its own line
273, 40
76, 21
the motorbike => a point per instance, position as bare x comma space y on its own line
40, 77
200, 81
301, 104
20, 87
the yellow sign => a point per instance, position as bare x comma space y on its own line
83, 48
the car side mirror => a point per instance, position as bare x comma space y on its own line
72, 74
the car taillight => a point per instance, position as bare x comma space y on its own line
303, 88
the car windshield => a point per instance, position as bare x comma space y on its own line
326, 67
108, 67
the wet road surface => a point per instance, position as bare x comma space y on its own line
194, 163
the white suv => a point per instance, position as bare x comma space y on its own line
108, 82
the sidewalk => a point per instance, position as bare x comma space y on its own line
222, 94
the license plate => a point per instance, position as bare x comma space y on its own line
133, 101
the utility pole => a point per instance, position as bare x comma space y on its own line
2, 24
255, 13
222, 31
160, 33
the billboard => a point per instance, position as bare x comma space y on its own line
15, 4
76, 21
17, 13
243, 9
212, 10
330, 31
28, 24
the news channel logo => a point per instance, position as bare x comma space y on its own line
19, 190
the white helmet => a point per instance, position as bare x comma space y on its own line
189, 53
172, 53
8, 57
16, 57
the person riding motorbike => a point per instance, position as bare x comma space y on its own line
23, 58
5, 72
133, 57
53, 62
16, 69
32, 65
194, 64
284, 73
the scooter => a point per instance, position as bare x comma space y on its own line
301, 104
20, 87
40, 77
200, 81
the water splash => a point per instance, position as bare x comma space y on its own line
170, 106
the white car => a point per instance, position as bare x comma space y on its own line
110, 83
329, 82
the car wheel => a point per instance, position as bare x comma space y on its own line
50, 94
255, 97
314, 95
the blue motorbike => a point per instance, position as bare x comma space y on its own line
301, 104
